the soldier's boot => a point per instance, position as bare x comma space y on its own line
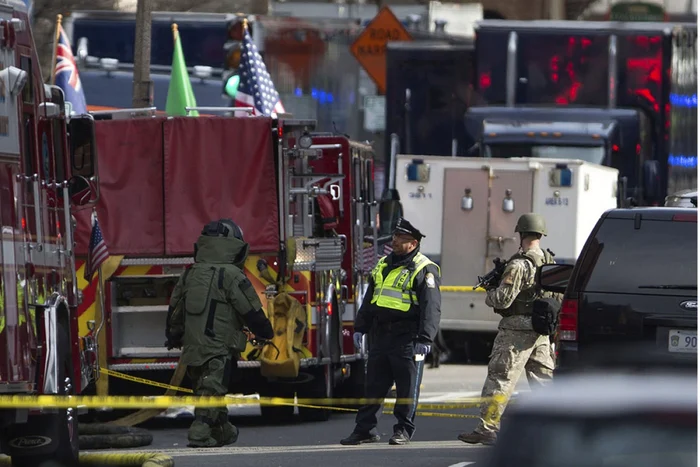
224, 432
200, 433
475, 438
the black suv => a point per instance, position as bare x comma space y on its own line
635, 281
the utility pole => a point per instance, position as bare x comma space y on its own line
557, 9
259, 7
142, 90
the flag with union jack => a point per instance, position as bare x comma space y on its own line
66, 73
256, 89
97, 251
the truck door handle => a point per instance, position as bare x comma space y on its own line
501, 240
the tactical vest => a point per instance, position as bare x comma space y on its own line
525, 299
396, 291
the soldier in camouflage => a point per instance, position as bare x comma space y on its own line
517, 346
210, 306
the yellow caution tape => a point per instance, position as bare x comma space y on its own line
389, 412
149, 382
461, 288
89, 459
164, 402
136, 379
131, 402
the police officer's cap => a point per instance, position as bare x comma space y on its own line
405, 227
223, 228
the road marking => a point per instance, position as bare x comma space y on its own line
461, 464
191, 452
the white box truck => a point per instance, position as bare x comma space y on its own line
468, 208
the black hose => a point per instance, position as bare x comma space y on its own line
104, 436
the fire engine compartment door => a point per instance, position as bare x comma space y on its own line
138, 312
502, 241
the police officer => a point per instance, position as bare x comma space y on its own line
210, 306
517, 346
401, 313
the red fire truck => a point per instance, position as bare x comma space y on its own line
306, 204
46, 160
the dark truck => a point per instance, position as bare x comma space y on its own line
429, 87
618, 138
632, 74
635, 77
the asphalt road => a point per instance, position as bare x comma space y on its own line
269, 443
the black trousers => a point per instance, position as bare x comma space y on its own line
391, 360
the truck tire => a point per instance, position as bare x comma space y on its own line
354, 386
277, 413
63, 425
314, 389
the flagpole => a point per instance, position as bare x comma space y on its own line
101, 350
245, 28
59, 19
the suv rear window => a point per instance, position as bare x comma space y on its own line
659, 253
644, 440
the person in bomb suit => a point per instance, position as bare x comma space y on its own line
401, 314
210, 307
517, 346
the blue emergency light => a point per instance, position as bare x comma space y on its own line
417, 171
683, 100
678, 160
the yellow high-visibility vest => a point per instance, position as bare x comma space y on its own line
396, 291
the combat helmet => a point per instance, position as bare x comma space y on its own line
223, 228
531, 223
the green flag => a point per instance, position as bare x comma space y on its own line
180, 94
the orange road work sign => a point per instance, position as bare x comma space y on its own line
370, 47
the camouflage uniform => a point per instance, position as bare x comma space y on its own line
517, 346
210, 305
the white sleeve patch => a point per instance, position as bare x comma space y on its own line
430, 280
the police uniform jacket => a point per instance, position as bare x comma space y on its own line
422, 319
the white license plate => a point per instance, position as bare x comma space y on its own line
682, 341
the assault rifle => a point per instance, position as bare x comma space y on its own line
492, 279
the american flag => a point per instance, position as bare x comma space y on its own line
256, 89
367, 258
97, 252
66, 74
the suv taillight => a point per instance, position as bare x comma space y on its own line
685, 218
568, 320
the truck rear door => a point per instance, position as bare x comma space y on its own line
473, 237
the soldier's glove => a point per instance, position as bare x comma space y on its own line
421, 349
357, 339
